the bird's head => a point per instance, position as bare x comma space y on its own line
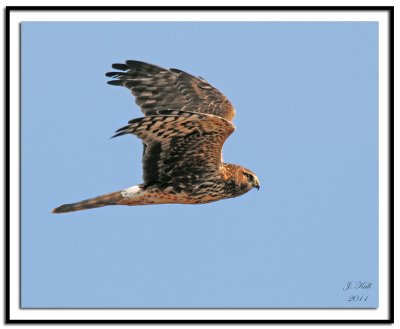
239, 180
248, 179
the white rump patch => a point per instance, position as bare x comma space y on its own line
131, 192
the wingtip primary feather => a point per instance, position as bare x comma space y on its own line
119, 134
122, 131
112, 74
120, 66
143, 66
116, 82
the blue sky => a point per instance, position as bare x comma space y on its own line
306, 97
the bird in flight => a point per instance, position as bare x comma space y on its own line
186, 121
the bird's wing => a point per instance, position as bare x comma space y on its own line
156, 88
179, 145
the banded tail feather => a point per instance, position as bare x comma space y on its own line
132, 196
103, 200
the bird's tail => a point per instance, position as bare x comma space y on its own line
103, 200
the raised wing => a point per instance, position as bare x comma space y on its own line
156, 88
179, 145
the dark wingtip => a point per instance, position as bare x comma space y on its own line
112, 74
143, 66
119, 66
117, 75
115, 82
131, 63
119, 134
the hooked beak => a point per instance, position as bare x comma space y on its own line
257, 184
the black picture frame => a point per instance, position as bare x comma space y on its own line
389, 9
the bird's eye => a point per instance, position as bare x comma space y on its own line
248, 176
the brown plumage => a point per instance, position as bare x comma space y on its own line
185, 126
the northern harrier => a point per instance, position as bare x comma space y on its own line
186, 123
